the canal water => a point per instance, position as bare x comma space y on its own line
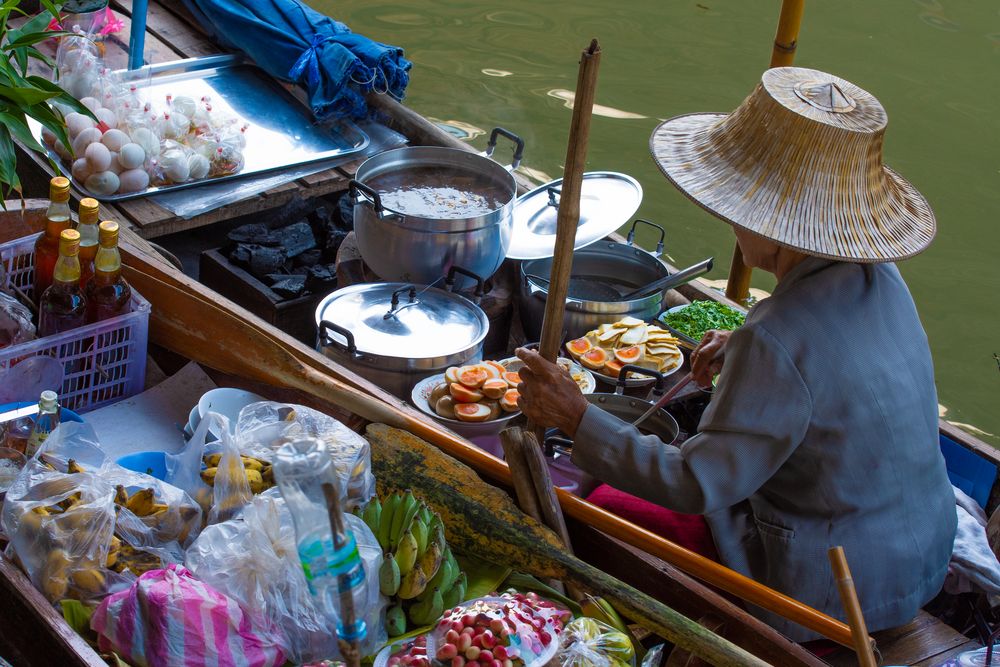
932, 63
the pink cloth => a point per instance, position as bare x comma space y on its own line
169, 618
688, 530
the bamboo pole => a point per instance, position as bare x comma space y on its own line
211, 330
849, 598
568, 217
786, 40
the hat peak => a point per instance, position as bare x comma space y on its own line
825, 95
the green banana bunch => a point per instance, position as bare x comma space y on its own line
389, 576
395, 620
406, 553
428, 610
456, 594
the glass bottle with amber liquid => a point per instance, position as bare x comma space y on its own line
62, 306
88, 238
107, 293
57, 218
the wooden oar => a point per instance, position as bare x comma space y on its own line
209, 329
849, 598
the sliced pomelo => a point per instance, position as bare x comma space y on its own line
472, 376
629, 355
472, 412
595, 359
494, 388
513, 378
463, 394
579, 346
509, 400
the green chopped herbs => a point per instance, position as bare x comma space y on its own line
694, 320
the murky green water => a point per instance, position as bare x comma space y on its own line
932, 63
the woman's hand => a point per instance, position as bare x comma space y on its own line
706, 360
549, 396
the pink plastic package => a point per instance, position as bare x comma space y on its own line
170, 618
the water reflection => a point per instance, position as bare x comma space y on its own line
568, 96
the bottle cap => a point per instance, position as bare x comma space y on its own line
88, 211
59, 189
108, 234
69, 242
48, 400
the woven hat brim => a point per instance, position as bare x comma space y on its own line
897, 226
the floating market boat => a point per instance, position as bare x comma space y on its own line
221, 341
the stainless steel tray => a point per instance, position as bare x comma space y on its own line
281, 132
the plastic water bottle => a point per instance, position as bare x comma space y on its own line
329, 557
45, 422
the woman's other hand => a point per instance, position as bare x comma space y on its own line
549, 396
706, 360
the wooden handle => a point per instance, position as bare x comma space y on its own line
849, 598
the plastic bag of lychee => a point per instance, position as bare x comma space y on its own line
509, 630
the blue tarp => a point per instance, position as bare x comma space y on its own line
293, 42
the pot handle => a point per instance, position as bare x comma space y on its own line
449, 282
558, 444
518, 141
350, 348
355, 189
630, 239
623, 375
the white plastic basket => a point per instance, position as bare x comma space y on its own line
103, 362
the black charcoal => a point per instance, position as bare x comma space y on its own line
291, 287
265, 260
321, 278
296, 239
255, 233
308, 258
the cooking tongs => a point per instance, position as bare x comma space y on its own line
671, 281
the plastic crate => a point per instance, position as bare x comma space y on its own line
103, 362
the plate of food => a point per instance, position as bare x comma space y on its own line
607, 349
690, 322
583, 378
477, 399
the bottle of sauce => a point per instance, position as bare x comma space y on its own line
107, 293
57, 218
18, 432
88, 238
45, 422
62, 306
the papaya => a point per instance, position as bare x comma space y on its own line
482, 521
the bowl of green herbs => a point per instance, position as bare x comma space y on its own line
690, 322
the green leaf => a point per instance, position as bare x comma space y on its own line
36, 24
8, 163
38, 55
77, 615
18, 127
26, 96
32, 38
44, 115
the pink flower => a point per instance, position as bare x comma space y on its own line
112, 23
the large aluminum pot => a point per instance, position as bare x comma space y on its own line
396, 334
604, 266
401, 246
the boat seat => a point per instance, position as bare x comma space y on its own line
968, 471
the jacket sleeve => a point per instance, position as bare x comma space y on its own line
758, 416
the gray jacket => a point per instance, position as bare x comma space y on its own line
822, 431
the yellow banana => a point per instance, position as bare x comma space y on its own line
88, 580
140, 503
208, 475
406, 553
73, 467
413, 584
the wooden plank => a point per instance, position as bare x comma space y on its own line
686, 595
33, 627
936, 660
167, 27
923, 638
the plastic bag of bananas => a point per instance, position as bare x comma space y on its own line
254, 560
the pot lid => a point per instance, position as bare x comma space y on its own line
608, 200
402, 320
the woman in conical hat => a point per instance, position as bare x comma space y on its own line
823, 427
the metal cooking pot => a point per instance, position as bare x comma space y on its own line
396, 334
404, 247
598, 269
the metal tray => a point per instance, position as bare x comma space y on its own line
281, 133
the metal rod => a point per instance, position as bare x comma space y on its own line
137, 35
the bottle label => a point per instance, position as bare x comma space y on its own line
321, 559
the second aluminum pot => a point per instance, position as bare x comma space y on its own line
600, 268
399, 246
396, 334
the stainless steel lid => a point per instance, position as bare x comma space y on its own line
608, 200
402, 320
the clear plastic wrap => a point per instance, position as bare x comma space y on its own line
253, 559
506, 627
586, 642
263, 427
410, 652
15, 320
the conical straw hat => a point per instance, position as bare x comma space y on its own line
799, 162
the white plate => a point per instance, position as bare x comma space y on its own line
228, 402
422, 391
514, 364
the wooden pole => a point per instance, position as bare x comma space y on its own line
190, 320
786, 40
569, 201
849, 598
